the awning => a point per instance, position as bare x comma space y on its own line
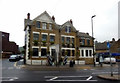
115, 54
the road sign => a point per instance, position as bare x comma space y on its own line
108, 45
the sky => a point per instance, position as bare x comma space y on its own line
105, 24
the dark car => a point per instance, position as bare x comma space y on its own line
14, 58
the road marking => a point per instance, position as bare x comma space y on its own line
71, 80
89, 78
104, 72
85, 69
15, 64
54, 78
65, 76
10, 68
8, 78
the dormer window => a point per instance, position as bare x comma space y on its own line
68, 29
38, 24
44, 25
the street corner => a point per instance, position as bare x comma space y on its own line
109, 77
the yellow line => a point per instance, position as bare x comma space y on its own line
15, 65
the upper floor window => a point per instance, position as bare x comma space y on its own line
44, 26
63, 39
73, 40
88, 42
68, 29
82, 41
44, 37
38, 24
68, 39
52, 38
50, 26
35, 36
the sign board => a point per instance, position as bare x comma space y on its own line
108, 45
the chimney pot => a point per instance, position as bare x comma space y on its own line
28, 16
53, 18
71, 21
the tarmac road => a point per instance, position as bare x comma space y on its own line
14, 71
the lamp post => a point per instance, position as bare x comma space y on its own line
29, 30
93, 39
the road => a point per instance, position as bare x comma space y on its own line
13, 71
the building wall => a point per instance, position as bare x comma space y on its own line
58, 31
8, 47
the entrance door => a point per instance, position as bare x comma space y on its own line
53, 54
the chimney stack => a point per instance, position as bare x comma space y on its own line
71, 21
28, 16
53, 18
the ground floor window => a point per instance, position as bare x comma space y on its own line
90, 52
82, 51
43, 52
73, 52
63, 52
86, 53
35, 51
68, 52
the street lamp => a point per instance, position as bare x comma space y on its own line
93, 39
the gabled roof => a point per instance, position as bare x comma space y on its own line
68, 23
44, 17
82, 34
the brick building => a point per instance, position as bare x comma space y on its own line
43, 35
8, 47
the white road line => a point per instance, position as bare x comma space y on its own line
89, 78
104, 72
10, 68
54, 78
11, 79
66, 76
71, 80
8, 78
85, 69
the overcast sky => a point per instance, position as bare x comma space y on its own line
13, 13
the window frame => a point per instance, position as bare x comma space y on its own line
34, 37
44, 25
43, 37
38, 24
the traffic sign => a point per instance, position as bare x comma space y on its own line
108, 45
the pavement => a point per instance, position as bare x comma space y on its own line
109, 77
66, 67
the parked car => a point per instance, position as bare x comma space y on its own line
14, 58
117, 60
107, 60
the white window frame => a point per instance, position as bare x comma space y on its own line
50, 26
44, 25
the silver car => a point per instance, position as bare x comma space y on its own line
107, 60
